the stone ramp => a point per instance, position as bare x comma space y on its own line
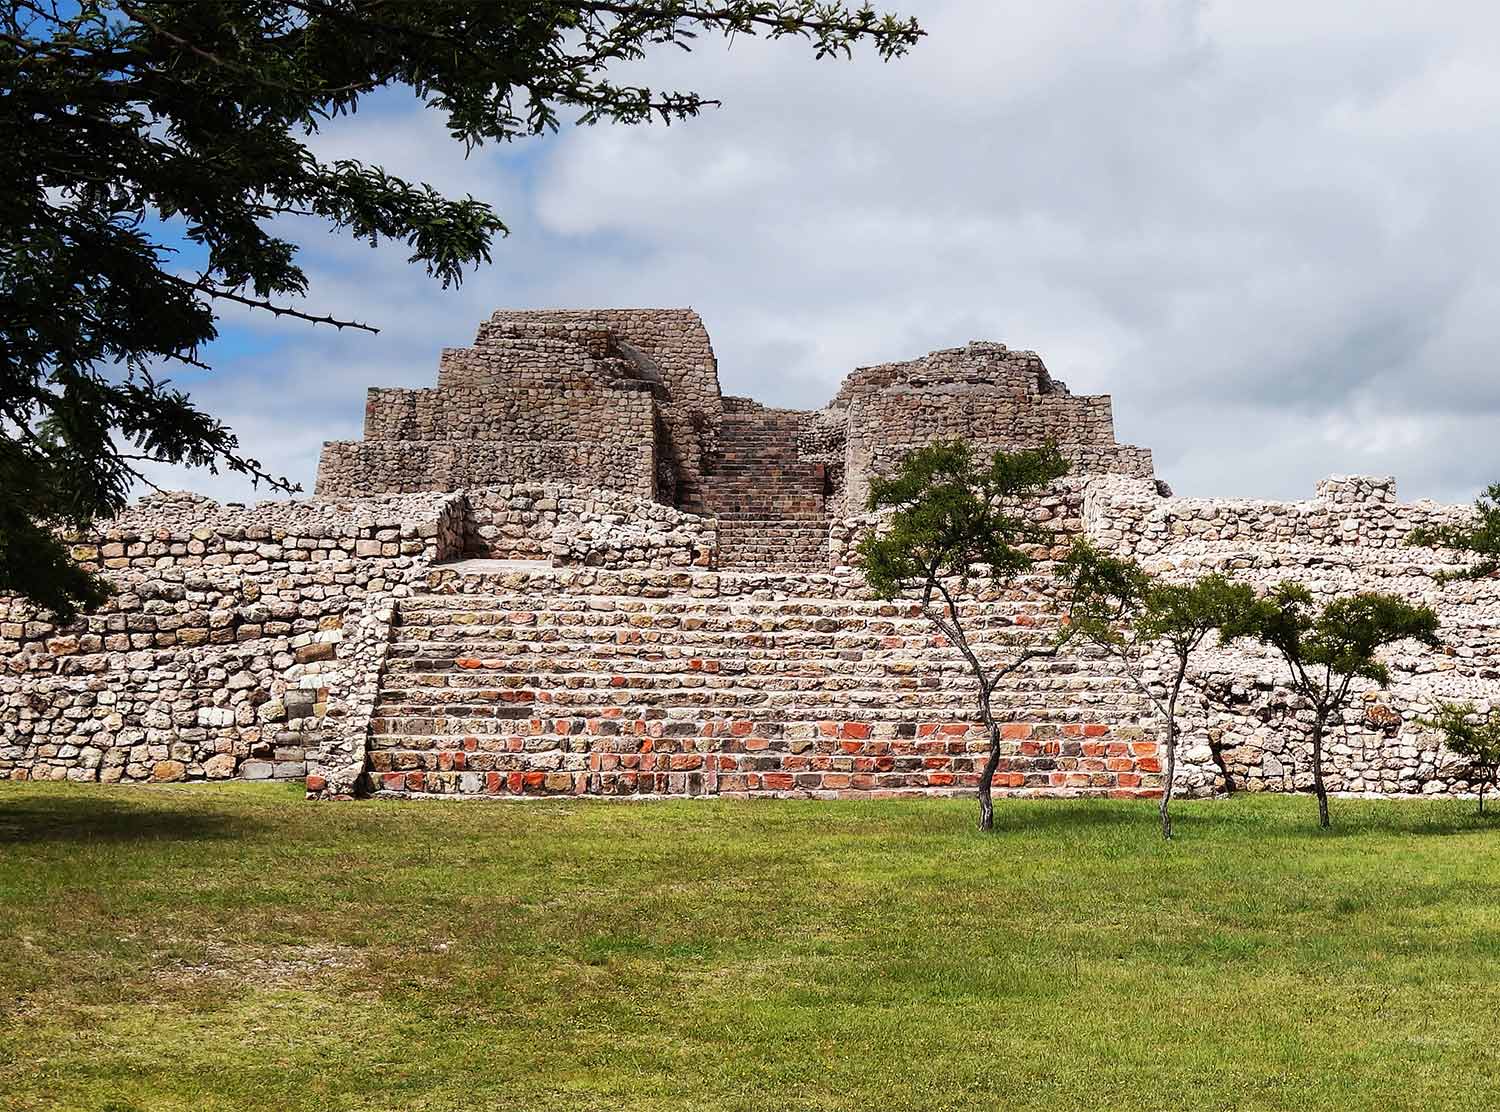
622, 684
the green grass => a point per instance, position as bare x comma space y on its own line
234, 947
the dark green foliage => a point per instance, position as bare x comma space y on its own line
1336, 644
125, 122
955, 517
1482, 538
1473, 737
1327, 650
1114, 601
954, 513
1119, 606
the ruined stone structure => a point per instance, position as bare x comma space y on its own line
573, 567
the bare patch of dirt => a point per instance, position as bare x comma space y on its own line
260, 966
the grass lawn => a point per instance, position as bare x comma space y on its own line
234, 947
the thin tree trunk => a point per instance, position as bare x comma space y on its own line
1317, 763
991, 763
1217, 749
1171, 774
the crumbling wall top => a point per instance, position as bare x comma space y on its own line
977, 363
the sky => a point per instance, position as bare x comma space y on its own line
1267, 229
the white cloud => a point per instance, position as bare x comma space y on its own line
1264, 228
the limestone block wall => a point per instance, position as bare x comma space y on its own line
885, 426
221, 652
624, 399
319, 635
599, 528
560, 412
354, 467
1349, 537
668, 345
984, 393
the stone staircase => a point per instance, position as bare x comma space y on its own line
797, 542
768, 500
567, 681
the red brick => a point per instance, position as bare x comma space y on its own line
1015, 731
1095, 729
856, 729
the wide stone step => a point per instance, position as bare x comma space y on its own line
851, 609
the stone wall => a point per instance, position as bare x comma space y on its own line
349, 468
669, 346
598, 528
217, 654
1349, 537
984, 393
626, 399
257, 642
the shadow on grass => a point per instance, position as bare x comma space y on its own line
74, 818
1021, 816
1416, 825
1193, 817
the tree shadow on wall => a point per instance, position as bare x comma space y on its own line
81, 819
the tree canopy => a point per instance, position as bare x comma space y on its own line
1481, 537
132, 126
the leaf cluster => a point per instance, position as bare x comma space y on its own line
1472, 736
1116, 603
127, 123
953, 512
1481, 537
1329, 647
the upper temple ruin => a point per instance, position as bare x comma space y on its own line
572, 566
629, 400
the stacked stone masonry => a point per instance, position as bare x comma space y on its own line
572, 567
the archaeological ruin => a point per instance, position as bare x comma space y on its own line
573, 567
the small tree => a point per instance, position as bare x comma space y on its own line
956, 517
1474, 738
1327, 650
1480, 537
1122, 608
